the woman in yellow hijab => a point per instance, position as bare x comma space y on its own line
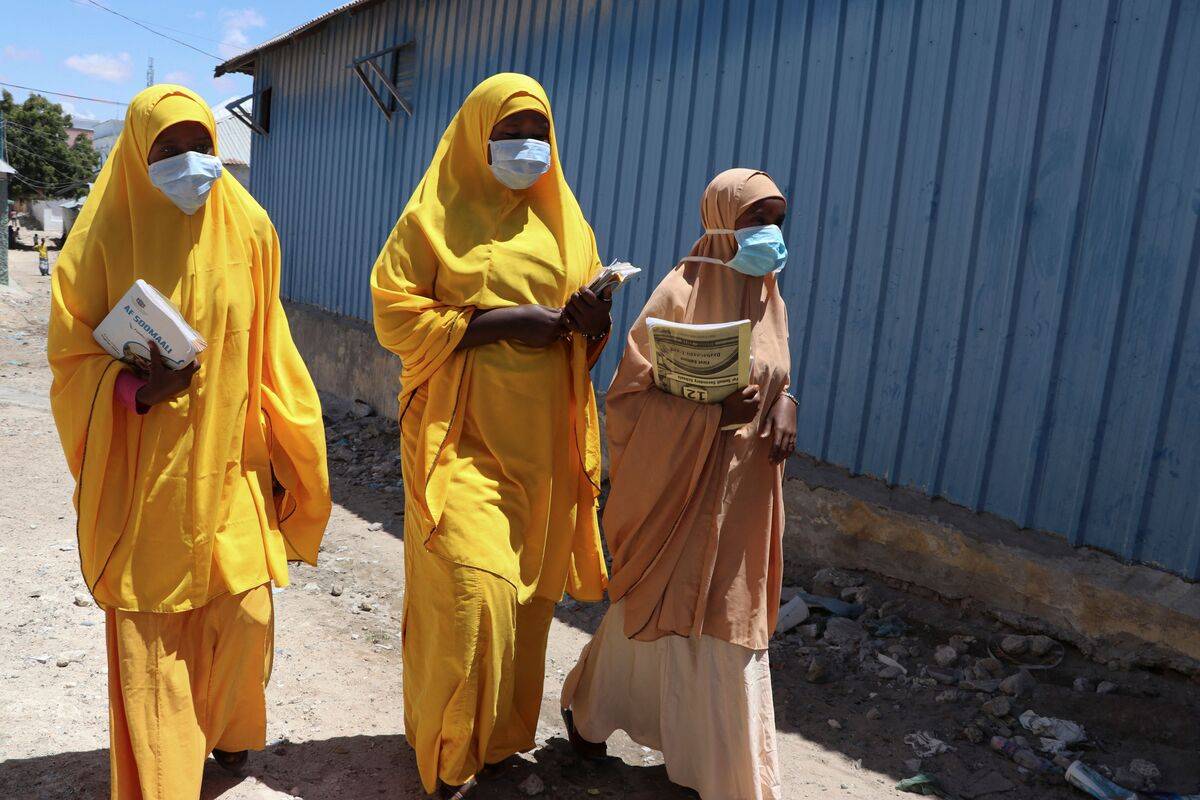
194, 487
479, 290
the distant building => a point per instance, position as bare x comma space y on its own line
104, 137
49, 215
233, 143
69, 213
81, 127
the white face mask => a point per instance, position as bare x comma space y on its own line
186, 179
518, 163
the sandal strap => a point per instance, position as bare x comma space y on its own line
465, 790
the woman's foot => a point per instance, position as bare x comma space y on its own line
593, 751
447, 792
233, 762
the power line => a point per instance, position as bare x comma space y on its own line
44, 188
62, 94
181, 32
27, 128
50, 187
144, 26
52, 183
29, 153
20, 126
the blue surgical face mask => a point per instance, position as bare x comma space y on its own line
518, 163
186, 179
761, 250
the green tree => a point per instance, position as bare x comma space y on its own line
35, 134
86, 157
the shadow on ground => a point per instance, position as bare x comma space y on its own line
373, 505
861, 719
342, 768
62, 776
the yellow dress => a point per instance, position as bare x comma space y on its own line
500, 443
175, 507
182, 684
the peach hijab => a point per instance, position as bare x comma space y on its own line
694, 519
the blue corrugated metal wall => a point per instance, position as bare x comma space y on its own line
993, 221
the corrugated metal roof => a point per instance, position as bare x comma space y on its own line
244, 62
233, 137
5, 169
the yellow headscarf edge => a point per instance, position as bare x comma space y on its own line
158, 107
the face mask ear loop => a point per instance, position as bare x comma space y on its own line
712, 232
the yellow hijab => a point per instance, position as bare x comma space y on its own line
464, 242
252, 407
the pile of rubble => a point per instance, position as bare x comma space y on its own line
363, 448
985, 695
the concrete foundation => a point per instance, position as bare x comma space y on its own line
1032, 579
345, 358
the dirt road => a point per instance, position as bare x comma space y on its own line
335, 727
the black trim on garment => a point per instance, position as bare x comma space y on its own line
87, 435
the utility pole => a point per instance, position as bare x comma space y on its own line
150, 72
3, 203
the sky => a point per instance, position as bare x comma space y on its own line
73, 46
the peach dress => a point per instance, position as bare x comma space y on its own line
694, 522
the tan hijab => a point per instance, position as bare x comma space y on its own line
694, 518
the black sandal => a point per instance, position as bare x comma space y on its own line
448, 792
233, 762
592, 751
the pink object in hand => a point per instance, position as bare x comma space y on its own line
127, 389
